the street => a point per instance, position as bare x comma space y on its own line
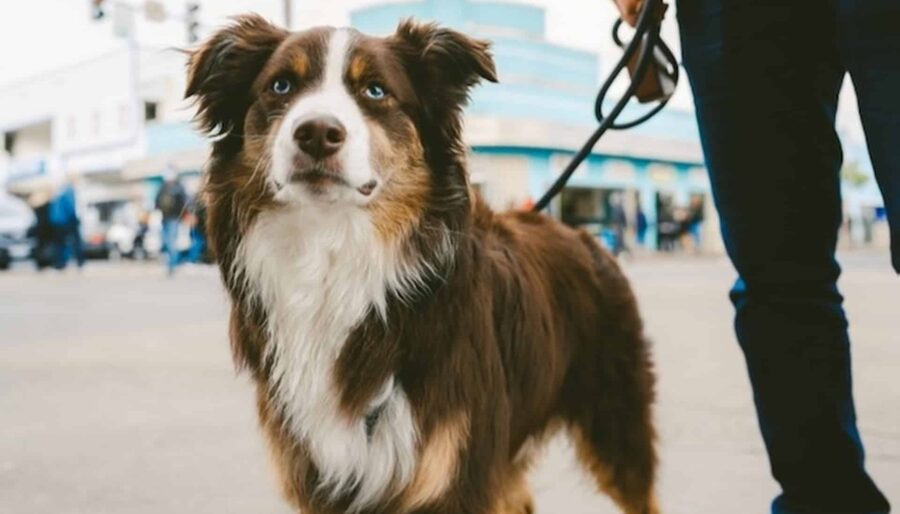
118, 396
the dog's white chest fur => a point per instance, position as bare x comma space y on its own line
318, 273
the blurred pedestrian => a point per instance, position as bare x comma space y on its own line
140, 235
766, 78
44, 252
694, 223
66, 226
668, 230
197, 252
641, 226
171, 201
619, 223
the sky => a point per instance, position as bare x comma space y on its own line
41, 35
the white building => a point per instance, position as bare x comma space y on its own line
90, 119
119, 120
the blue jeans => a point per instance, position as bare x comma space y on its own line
766, 76
198, 246
68, 245
170, 243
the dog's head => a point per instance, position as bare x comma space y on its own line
334, 118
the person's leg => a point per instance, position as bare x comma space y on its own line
77, 245
170, 241
61, 242
869, 36
196, 249
766, 77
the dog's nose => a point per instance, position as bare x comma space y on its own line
321, 136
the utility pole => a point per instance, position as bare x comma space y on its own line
192, 23
288, 13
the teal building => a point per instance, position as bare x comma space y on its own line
523, 130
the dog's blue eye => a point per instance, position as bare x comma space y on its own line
375, 92
282, 86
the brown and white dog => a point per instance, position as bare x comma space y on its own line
410, 347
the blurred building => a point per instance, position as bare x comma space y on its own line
104, 121
119, 120
524, 130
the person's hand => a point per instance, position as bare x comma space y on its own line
629, 10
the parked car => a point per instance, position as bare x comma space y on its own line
93, 234
16, 218
6, 252
130, 232
121, 238
107, 230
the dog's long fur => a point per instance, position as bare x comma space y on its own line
410, 347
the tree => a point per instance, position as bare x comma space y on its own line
853, 175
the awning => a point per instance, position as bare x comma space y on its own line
508, 132
184, 160
25, 186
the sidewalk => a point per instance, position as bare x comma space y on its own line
117, 395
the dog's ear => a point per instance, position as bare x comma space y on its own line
221, 72
448, 62
443, 65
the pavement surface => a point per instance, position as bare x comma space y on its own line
117, 395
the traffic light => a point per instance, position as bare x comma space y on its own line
193, 24
97, 10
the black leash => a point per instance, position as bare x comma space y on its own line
654, 75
